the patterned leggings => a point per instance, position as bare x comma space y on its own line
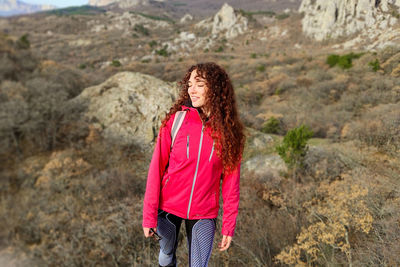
200, 236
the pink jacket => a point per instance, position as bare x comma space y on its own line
185, 181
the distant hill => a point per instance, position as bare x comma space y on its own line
198, 8
15, 7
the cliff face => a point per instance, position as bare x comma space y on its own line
330, 19
14, 7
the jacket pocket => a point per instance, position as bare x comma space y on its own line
187, 147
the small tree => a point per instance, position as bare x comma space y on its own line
293, 148
375, 65
271, 126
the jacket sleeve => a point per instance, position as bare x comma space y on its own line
157, 167
230, 195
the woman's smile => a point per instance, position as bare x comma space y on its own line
197, 89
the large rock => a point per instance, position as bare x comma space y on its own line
330, 19
265, 164
226, 21
129, 106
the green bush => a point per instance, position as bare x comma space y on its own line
163, 51
219, 49
152, 43
141, 29
332, 60
23, 42
293, 148
253, 55
375, 65
271, 126
261, 68
345, 61
282, 16
116, 63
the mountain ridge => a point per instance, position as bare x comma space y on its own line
16, 7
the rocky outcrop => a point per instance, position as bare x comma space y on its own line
128, 107
186, 18
227, 21
14, 7
330, 19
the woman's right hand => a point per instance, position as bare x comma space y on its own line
147, 232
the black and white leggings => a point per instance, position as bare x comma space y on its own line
200, 236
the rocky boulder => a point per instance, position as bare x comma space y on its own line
186, 18
330, 19
226, 21
128, 107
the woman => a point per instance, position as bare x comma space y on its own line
184, 176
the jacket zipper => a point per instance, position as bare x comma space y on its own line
212, 151
195, 173
166, 182
187, 147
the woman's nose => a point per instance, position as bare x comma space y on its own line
192, 88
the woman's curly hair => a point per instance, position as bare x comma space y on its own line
226, 127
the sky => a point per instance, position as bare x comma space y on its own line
58, 3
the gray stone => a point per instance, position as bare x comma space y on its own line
330, 19
129, 106
263, 164
226, 21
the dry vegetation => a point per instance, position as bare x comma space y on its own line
71, 198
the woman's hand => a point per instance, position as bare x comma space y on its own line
225, 243
147, 232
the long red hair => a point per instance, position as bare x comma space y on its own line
226, 128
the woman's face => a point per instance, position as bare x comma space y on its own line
197, 89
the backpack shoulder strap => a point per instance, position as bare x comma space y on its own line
176, 125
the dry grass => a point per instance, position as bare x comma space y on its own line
69, 197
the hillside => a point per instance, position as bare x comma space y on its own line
74, 95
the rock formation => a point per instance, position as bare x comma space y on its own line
330, 19
186, 18
226, 21
128, 107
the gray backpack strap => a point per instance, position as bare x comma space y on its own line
176, 125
